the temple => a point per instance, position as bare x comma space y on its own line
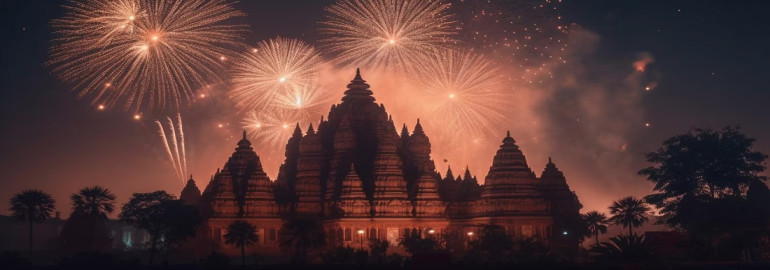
363, 180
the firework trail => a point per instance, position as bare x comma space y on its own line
387, 34
174, 145
181, 142
145, 54
276, 68
168, 149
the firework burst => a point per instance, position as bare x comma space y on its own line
273, 128
389, 34
467, 94
278, 70
146, 54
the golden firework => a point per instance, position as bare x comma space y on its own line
278, 71
146, 54
388, 34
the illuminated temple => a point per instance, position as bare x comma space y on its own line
363, 180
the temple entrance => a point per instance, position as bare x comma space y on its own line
393, 236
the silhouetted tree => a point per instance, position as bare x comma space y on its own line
378, 249
597, 223
303, 234
624, 248
415, 243
492, 244
241, 234
86, 228
703, 180
629, 212
167, 220
32, 206
94, 201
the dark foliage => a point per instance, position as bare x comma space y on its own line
629, 212
708, 183
415, 243
167, 220
597, 223
241, 234
32, 206
303, 234
624, 248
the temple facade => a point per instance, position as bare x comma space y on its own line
362, 180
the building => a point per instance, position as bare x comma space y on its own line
363, 180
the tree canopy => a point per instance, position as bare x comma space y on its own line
167, 220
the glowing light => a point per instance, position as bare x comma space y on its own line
220, 125
647, 124
564, 233
97, 39
203, 95
451, 95
137, 116
356, 30
107, 84
360, 232
281, 67
470, 233
431, 231
222, 58
101, 107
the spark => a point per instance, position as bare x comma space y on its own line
152, 54
387, 34
280, 67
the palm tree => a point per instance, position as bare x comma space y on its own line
629, 212
303, 234
597, 223
94, 201
624, 248
241, 234
33, 206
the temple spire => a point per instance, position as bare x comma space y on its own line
358, 90
418, 128
310, 130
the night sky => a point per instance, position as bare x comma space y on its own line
707, 66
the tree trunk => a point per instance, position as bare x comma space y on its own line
30, 234
597, 238
243, 254
153, 244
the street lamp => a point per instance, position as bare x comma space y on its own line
361, 237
